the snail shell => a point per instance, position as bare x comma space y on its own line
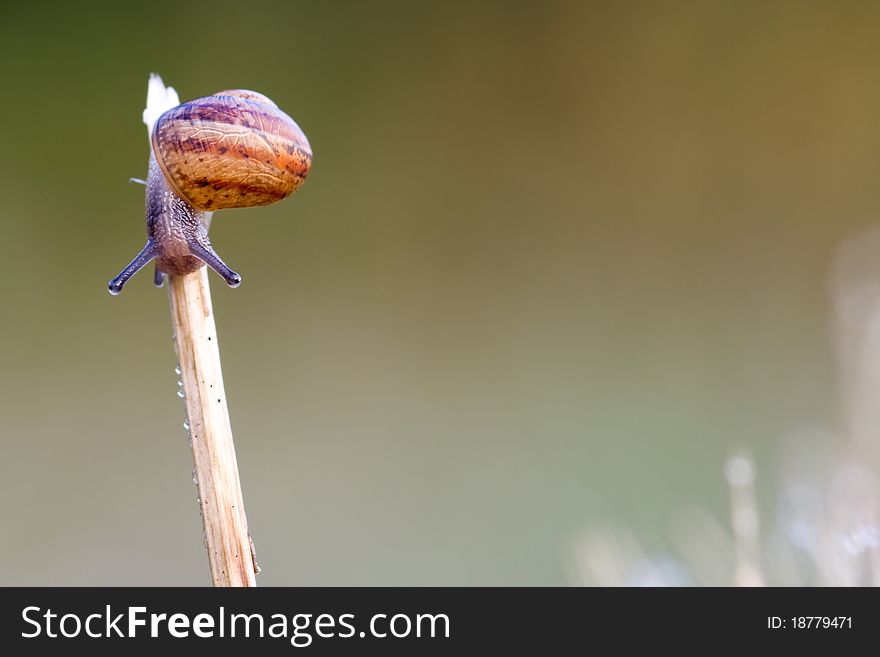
234, 149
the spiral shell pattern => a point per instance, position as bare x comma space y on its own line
234, 149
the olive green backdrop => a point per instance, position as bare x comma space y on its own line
553, 264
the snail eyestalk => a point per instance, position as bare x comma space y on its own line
141, 260
206, 254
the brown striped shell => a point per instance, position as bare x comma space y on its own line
234, 149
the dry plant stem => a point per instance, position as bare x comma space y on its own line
216, 469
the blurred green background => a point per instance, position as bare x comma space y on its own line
553, 263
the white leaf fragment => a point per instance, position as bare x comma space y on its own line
159, 100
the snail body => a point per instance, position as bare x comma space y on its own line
233, 149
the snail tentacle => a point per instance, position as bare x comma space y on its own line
140, 261
204, 252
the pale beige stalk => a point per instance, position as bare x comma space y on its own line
220, 499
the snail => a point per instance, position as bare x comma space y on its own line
233, 149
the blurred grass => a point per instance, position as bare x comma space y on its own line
552, 261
